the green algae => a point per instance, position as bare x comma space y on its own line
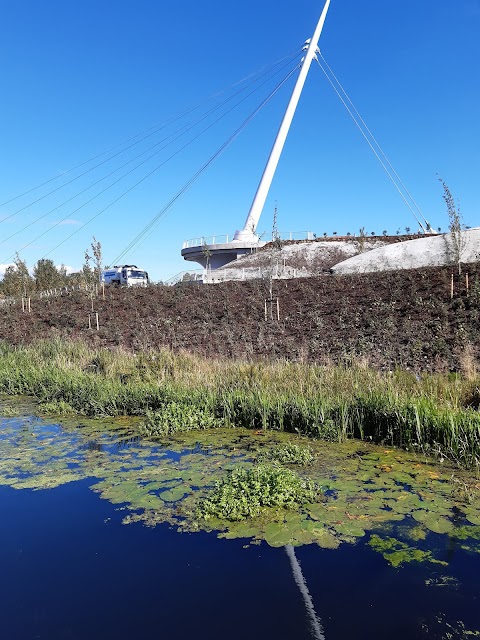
397, 552
416, 533
8, 411
396, 497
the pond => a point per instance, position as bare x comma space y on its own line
102, 537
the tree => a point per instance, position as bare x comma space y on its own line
46, 275
275, 255
92, 267
361, 242
455, 240
17, 281
88, 276
384, 232
207, 254
407, 230
75, 279
62, 270
97, 258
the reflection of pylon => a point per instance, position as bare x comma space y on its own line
314, 620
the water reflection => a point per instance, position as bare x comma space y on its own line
314, 621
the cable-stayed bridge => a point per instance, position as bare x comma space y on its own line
95, 186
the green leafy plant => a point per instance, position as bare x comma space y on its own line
289, 453
8, 411
176, 417
57, 408
456, 240
244, 493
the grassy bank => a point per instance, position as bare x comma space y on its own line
436, 413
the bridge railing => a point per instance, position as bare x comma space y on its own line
207, 240
296, 235
225, 239
192, 275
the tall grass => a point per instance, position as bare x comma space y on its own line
397, 408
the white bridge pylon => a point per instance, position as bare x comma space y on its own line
245, 240
251, 223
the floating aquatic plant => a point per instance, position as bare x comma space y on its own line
398, 553
8, 411
56, 408
288, 453
349, 491
244, 493
440, 628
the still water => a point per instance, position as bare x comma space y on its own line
76, 561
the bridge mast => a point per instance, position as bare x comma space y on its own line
247, 234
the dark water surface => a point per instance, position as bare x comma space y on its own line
71, 570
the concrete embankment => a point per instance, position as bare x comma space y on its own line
432, 251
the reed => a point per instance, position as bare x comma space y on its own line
437, 413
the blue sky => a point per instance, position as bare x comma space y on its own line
79, 78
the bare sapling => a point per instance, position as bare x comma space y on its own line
275, 258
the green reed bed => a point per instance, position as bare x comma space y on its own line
435, 413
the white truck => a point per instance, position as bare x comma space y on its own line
126, 275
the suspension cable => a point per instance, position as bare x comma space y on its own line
152, 225
374, 140
370, 145
181, 131
149, 132
154, 170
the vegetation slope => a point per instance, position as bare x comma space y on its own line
405, 319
